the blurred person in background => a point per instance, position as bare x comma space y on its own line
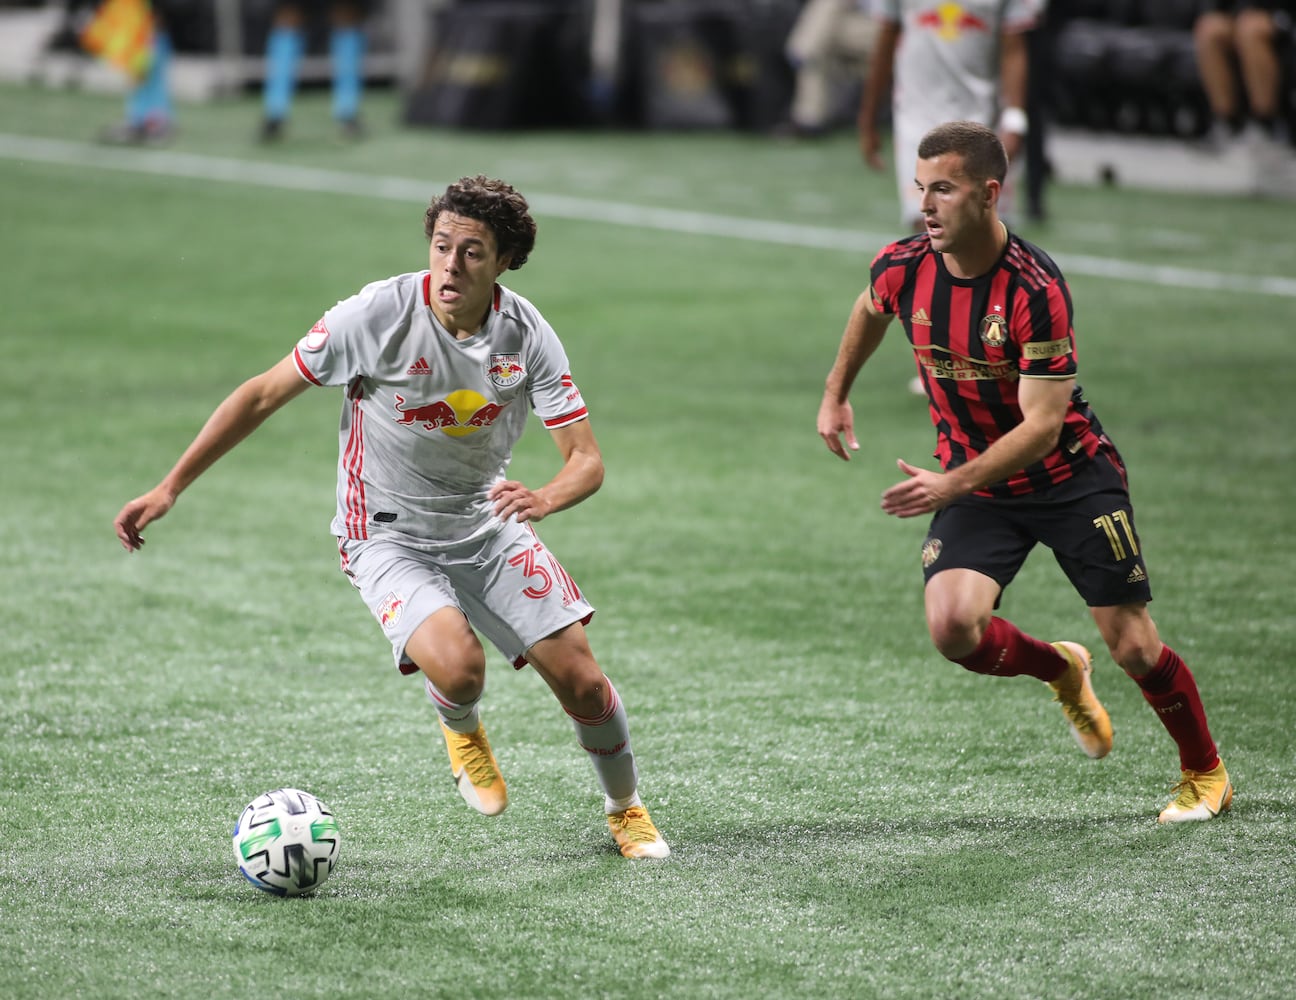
829, 40
1041, 44
941, 60
1237, 57
285, 46
132, 35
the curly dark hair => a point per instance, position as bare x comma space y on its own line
496, 204
983, 154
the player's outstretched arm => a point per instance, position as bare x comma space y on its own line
1044, 405
242, 412
141, 511
837, 421
920, 492
580, 476
864, 331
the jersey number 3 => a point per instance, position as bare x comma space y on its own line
542, 578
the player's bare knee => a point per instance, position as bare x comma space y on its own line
1131, 636
458, 669
588, 696
1136, 657
577, 682
954, 638
462, 682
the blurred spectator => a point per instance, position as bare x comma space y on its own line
1041, 50
284, 48
831, 41
132, 35
1237, 54
943, 60
1237, 43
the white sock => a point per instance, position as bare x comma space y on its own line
607, 741
461, 718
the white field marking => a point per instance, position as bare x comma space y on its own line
1108, 232
294, 178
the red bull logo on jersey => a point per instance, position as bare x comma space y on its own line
461, 413
390, 610
949, 20
505, 369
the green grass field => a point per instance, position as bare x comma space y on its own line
850, 815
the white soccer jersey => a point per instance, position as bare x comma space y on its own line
947, 68
947, 65
429, 422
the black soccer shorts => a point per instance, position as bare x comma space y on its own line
1087, 522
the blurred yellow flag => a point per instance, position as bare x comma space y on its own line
121, 32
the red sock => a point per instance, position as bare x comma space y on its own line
1007, 651
1171, 690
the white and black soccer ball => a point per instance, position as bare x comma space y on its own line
287, 842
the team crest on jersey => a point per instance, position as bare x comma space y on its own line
994, 330
505, 369
389, 612
931, 551
314, 340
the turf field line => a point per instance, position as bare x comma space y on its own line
312, 179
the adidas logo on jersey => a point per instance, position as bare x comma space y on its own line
1137, 575
419, 367
920, 318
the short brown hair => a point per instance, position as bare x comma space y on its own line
982, 152
496, 204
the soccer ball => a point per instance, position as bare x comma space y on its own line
286, 842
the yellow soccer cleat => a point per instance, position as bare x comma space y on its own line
1089, 722
635, 834
1200, 795
476, 772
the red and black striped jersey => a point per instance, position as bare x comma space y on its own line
974, 338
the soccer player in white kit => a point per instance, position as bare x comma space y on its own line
441, 369
946, 60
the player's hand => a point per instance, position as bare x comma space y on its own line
922, 492
513, 499
139, 513
837, 420
871, 147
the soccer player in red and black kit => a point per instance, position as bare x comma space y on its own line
1024, 458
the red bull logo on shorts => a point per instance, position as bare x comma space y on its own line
460, 413
390, 610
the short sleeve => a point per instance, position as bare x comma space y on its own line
333, 350
555, 397
882, 277
1047, 339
